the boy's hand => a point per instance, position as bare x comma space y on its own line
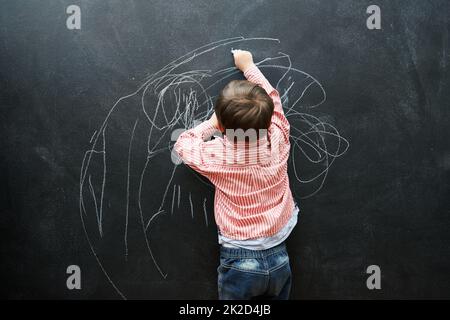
242, 59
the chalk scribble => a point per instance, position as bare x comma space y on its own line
180, 95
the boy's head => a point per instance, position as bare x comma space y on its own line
243, 105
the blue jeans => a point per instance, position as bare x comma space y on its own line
254, 274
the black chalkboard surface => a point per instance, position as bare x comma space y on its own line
89, 117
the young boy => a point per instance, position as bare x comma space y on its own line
254, 208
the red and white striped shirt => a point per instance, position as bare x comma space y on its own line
253, 198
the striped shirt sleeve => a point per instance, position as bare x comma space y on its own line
254, 75
194, 146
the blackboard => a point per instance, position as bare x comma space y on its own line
89, 117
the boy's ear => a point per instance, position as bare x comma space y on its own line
219, 126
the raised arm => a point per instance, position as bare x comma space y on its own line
244, 62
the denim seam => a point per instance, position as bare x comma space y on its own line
267, 279
264, 273
279, 266
272, 253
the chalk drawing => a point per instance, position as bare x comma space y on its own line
181, 97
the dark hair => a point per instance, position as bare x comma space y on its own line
244, 105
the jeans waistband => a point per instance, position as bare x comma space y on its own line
247, 253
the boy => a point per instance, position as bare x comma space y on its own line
253, 206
